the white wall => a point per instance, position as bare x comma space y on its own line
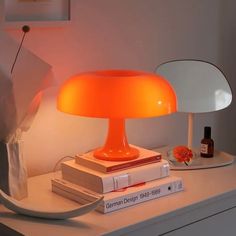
227, 118
134, 34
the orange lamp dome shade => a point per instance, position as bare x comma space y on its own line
116, 95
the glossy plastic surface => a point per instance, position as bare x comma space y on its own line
117, 94
116, 147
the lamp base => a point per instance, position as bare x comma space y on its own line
129, 153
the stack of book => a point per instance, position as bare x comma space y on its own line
122, 184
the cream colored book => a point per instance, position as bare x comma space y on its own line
119, 199
146, 157
106, 182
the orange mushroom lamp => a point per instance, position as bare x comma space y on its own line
116, 95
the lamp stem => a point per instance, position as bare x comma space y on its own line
116, 147
116, 134
190, 130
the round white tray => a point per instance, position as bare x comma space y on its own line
220, 159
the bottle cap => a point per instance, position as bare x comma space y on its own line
207, 132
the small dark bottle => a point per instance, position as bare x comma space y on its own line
207, 143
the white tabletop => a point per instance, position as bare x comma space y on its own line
202, 188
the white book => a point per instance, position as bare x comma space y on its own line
119, 199
103, 183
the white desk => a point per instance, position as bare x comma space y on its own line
206, 207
